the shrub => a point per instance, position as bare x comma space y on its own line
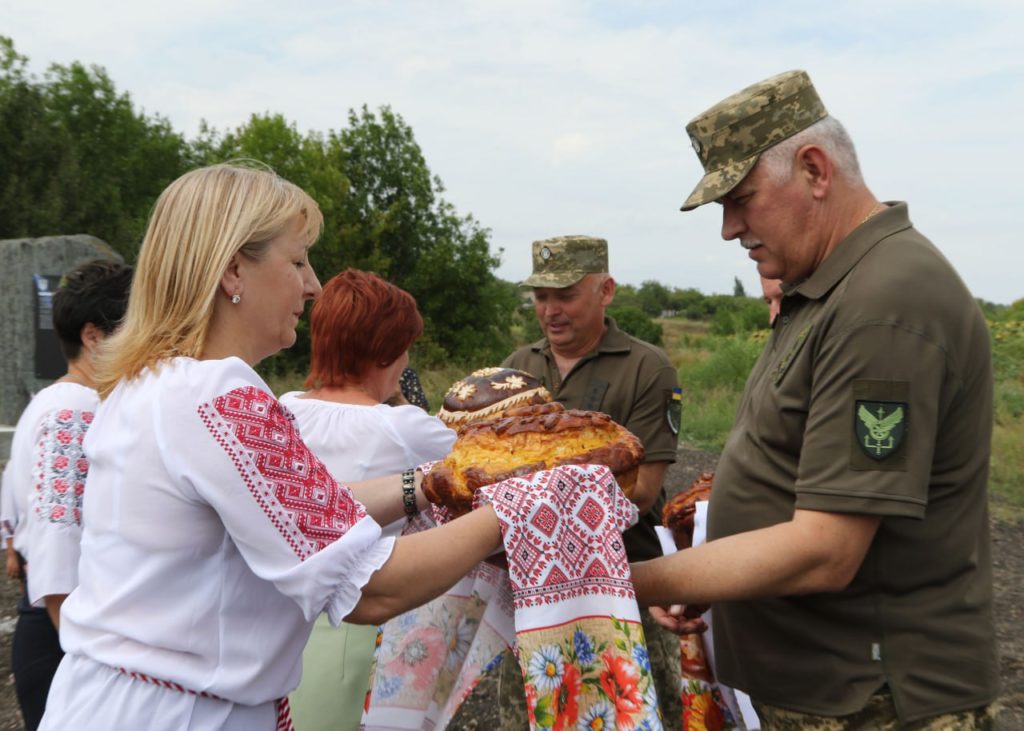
743, 314
635, 321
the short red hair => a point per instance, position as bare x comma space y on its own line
358, 322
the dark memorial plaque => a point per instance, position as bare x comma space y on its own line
49, 361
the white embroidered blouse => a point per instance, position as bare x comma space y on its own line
362, 442
213, 536
44, 479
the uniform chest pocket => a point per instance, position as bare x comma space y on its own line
790, 354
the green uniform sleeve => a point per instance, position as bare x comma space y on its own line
649, 419
871, 426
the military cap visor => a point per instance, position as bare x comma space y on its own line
556, 280
717, 183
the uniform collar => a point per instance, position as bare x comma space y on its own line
613, 341
850, 250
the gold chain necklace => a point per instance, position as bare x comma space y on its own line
878, 208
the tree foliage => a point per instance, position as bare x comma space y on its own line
637, 323
79, 158
653, 297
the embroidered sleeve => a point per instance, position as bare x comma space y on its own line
290, 485
60, 468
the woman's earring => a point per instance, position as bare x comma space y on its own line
236, 298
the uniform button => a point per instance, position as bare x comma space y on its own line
785, 319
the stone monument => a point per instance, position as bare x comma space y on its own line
29, 356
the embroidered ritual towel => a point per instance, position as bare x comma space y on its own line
430, 658
579, 639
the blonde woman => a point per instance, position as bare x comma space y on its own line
212, 536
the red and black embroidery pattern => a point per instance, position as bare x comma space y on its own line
289, 483
562, 534
61, 467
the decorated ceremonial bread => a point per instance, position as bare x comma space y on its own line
489, 393
526, 440
677, 516
678, 513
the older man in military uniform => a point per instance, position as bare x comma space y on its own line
588, 363
848, 564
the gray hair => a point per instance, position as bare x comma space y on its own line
829, 134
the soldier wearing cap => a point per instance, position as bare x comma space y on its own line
587, 362
848, 565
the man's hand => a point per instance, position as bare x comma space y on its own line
682, 620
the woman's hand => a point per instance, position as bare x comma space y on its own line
13, 569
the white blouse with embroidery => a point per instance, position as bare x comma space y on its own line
46, 470
362, 442
213, 537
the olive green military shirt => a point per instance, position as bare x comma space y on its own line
873, 396
631, 381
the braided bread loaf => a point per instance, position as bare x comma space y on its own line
526, 440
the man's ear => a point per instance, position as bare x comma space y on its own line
231, 279
815, 167
607, 291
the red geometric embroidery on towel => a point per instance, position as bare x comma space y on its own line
292, 486
562, 535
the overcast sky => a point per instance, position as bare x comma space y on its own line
563, 117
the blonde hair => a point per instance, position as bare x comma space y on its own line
198, 223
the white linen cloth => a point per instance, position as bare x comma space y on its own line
212, 539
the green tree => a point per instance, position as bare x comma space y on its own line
635, 321
653, 297
395, 222
118, 159
77, 157
690, 303
383, 212
626, 295
741, 314
737, 288
30, 199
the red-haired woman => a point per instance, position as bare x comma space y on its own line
361, 328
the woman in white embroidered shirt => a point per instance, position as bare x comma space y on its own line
213, 537
361, 328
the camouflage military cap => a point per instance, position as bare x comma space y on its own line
565, 260
730, 136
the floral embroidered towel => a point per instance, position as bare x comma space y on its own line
430, 658
578, 635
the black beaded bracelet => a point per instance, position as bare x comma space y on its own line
409, 493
